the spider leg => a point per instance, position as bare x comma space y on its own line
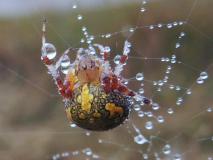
53, 68
104, 51
112, 83
123, 59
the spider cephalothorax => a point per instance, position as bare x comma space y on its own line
95, 96
89, 69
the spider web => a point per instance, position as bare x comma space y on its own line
177, 126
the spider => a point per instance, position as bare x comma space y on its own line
95, 95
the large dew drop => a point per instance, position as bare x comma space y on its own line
49, 51
65, 64
65, 61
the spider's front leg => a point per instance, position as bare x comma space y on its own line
114, 82
48, 58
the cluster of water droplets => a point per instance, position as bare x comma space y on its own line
86, 153
150, 116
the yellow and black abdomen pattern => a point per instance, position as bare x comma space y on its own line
93, 109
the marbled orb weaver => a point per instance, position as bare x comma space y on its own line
95, 95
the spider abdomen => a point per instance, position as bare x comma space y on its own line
93, 109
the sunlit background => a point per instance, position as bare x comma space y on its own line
33, 125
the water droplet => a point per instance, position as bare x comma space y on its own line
182, 34
87, 151
166, 149
141, 91
155, 83
155, 106
137, 107
72, 125
151, 27
200, 80
108, 35
95, 156
107, 49
88, 133
79, 17
138, 97
169, 26
74, 6
117, 59
149, 114
100, 141
139, 76
65, 154
160, 25
173, 61
143, 9
177, 45
145, 156
170, 111
132, 30
204, 75
144, 2
177, 88
160, 119
49, 50
140, 114
180, 99
160, 83
65, 61
125, 81
140, 139
65, 70
181, 23
159, 89
175, 23
149, 125
177, 157
171, 86
209, 109
188, 91
84, 28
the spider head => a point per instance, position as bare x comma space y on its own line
89, 69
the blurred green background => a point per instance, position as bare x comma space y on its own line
32, 121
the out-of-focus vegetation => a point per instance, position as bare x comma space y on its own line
32, 120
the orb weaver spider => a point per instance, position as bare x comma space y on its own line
95, 95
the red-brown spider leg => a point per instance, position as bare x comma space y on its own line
120, 87
123, 59
64, 88
112, 83
123, 89
107, 84
106, 56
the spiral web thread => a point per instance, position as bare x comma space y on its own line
136, 132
